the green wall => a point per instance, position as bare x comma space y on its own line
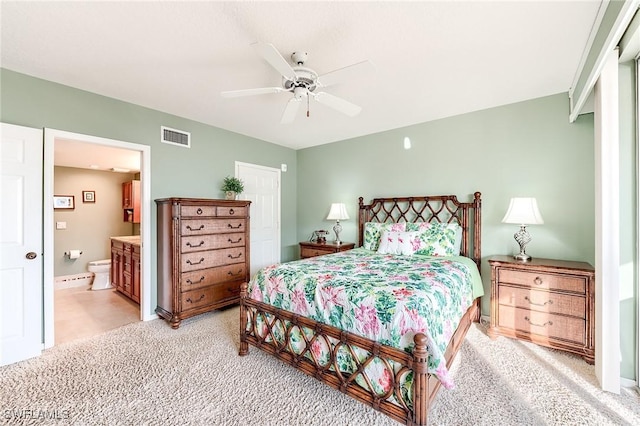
175, 171
523, 149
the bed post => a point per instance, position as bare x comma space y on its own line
477, 224
244, 345
361, 221
420, 380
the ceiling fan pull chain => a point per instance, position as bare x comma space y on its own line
307, 105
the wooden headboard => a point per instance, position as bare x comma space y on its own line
431, 208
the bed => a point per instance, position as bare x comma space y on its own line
389, 339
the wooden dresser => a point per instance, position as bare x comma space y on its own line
311, 249
545, 301
203, 255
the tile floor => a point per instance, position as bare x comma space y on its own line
80, 312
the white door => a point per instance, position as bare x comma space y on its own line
20, 243
262, 187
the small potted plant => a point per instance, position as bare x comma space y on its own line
232, 186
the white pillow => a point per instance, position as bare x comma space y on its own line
373, 232
393, 242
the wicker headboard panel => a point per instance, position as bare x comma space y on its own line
432, 208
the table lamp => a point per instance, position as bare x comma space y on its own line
338, 212
523, 212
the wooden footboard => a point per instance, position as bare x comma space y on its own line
399, 363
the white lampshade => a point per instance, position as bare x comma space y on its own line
523, 211
338, 212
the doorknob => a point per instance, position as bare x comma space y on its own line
31, 255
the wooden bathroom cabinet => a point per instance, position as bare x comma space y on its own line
125, 267
131, 201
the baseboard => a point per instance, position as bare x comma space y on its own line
628, 383
150, 317
76, 280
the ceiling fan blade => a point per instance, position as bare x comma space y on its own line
275, 59
290, 111
350, 72
338, 104
250, 92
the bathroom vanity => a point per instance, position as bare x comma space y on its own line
125, 266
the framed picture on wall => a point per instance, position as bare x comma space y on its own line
63, 202
88, 196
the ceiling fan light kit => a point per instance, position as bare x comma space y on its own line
302, 82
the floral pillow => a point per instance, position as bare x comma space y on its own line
373, 232
405, 243
438, 239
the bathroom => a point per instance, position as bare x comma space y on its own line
88, 201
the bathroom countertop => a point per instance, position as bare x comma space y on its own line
130, 239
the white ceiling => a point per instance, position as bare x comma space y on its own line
79, 154
432, 59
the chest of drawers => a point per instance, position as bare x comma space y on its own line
203, 255
309, 249
545, 301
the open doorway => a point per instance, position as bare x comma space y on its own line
92, 162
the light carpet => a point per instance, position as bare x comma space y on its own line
149, 374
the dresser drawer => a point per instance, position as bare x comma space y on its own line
313, 252
208, 259
543, 301
210, 295
231, 211
211, 226
211, 241
543, 324
543, 281
205, 277
199, 211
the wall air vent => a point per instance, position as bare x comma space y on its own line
175, 137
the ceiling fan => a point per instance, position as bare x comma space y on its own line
303, 82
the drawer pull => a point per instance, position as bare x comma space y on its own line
195, 263
234, 242
538, 325
537, 281
199, 211
193, 245
231, 211
194, 229
233, 275
234, 227
234, 257
195, 301
548, 302
195, 282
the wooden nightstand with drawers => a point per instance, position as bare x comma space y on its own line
310, 249
544, 301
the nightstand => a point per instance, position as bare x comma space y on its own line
544, 301
309, 249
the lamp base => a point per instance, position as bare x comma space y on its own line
522, 257
522, 238
337, 228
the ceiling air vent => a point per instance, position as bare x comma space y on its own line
176, 137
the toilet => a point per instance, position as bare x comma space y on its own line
102, 278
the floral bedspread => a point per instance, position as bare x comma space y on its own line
386, 298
